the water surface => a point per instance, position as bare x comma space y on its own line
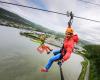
19, 59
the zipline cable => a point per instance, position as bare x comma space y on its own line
89, 2
49, 11
31, 7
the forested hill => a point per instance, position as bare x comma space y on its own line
12, 19
94, 58
7, 15
84, 42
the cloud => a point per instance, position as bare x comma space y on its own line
39, 3
87, 30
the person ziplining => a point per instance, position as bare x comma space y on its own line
42, 48
64, 53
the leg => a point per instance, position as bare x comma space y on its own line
40, 49
52, 59
55, 52
48, 48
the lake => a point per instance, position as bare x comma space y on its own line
20, 60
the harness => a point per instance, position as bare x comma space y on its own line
63, 50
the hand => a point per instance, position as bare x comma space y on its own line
51, 49
48, 52
62, 60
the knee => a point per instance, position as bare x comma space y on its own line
51, 60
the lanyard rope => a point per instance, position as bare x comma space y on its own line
61, 72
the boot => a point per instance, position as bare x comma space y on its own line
44, 70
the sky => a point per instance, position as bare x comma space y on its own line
87, 30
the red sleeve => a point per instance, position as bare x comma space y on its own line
68, 53
75, 37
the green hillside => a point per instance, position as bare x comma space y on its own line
13, 19
7, 15
94, 57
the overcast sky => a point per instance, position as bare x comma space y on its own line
86, 30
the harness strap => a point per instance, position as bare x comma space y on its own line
63, 50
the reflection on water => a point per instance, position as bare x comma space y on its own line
19, 59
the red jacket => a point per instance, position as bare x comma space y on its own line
68, 46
